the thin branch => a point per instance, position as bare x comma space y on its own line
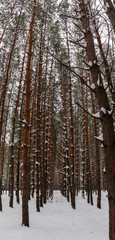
79, 27
72, 71
77, 43
87, 111
69, 16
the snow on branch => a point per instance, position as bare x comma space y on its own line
96, 115
99, 138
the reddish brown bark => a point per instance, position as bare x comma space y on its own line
77, 153
30, 165
50, 165
88, 178
88, 170
44, 125
71, 127
3, 148
83, 149
39, 169
83, 164
32, 144
19, 146
98, 173
4, 89
25, 213
48, 144
65, 152
13, 134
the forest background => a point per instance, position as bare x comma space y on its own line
57, 101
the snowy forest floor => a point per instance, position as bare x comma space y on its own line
56, 221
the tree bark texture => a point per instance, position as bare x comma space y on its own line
4, 89
25, 213
71, 129
106, 118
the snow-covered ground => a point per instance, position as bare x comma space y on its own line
56, 221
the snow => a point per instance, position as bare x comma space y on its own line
37, 163
97, 115
56, 221
90, 63
93, 86
98, 82
103, 110
66, 167
24, 121
100, 137
105, 8
110, 112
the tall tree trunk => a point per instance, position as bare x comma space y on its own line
106, 117
87, 155
25, 213
39, 176
48, 133
52, 147
3, 144
98, 173
19, 146
44, 126
3, 94
13, 134
66, 169
71, 128
77, 153
33, 123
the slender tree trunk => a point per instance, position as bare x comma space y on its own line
77, 154
19, 146
71, 129
48, 133
44, 126
52, 147
33, 123
39, 176
12, 136
64, 89
25, 213
98, 173
89, 177
4, 88
3, 146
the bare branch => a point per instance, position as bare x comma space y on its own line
94, 116
72, 71
68, 16
77, 43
